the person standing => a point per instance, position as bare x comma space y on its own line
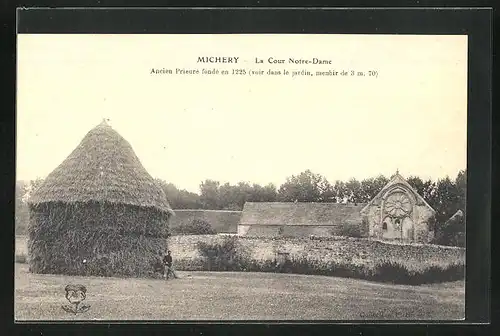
167, 261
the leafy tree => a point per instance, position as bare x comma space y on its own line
340, 192
170, 191
210, 195
270, 193
216, 196
179, 199
267, 193
461, 185
23, 191
452, 232
31, 187
21, 210
425, 189
354, 191
188, 200
305, 187
244, 193
371, 187
195, 227
417, 184
233, 197
445, 200
446, 196
327, 193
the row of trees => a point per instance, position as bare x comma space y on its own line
21, 212
446, 195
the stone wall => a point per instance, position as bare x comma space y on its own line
222, 221
352, 250
304, 231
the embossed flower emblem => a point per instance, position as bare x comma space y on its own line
76, 294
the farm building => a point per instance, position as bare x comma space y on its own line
272, 219
396, 212
98, 213
399, 212
222, 221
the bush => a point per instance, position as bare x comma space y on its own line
349, 230
221, 256
157, 268
252, 265
392, 271
449, 239
225, 256
451, 232
195, 227
345, 257
385, 271
452, 272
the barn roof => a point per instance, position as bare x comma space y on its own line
456, 215
222, 221
102, 168
315, 214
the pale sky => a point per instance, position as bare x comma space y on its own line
260, 129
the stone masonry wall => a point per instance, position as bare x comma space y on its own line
353, 250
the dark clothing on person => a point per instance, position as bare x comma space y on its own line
167, 260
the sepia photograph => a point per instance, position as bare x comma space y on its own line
240, 177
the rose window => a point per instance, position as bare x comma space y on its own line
398, 205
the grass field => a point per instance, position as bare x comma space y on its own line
235, 296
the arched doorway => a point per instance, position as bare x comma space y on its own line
407, 229
390, 229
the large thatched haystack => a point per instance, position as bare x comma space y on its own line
99, 205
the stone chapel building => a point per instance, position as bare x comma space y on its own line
398, 212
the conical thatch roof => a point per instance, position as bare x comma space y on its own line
103, 168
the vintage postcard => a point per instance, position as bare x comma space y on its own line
241, 177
